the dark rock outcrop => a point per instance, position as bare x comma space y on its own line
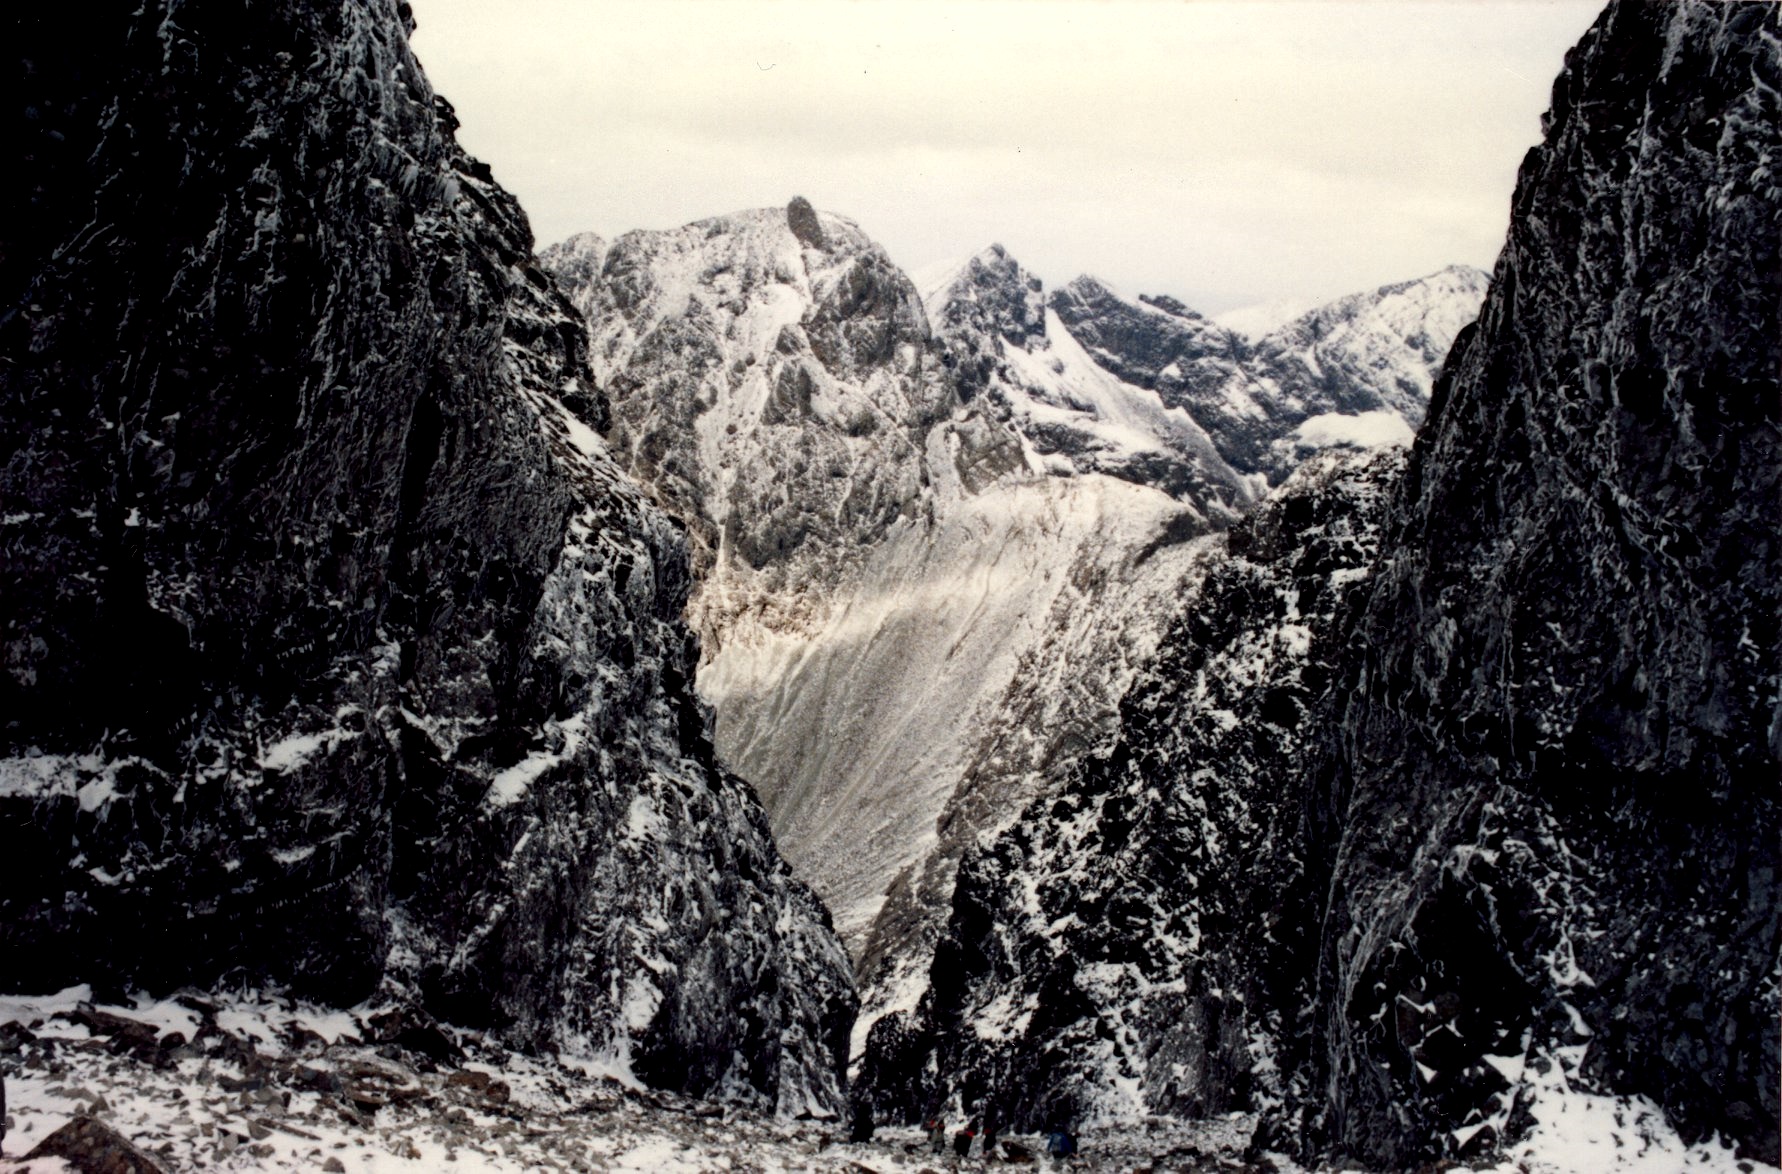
92, 1147
1136, 942
1550, 805
337, 650
801, 218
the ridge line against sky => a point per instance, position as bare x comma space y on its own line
1226, 153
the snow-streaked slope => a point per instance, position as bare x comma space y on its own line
1112, 952
859, 731
1366, 353
895, 521
1263, 318
1073, 413
1374, 350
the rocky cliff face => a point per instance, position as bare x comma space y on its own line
883, 542
1355, 373
1072, 413
1502, 844
1133, 943
338, 651
1550, 807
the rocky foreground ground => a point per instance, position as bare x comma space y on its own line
245, 1081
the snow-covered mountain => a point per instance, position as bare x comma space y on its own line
1352, 374
1110, 954
938, 530
1074, 415
885, 540
340, 655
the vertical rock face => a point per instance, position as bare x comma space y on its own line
1136, 942
337, 650
1551, 807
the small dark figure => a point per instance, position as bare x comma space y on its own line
962, 1140
860, 1126
1061, 1145
989, 1149
937, 1135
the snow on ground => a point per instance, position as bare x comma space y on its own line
1255, 321
248, 1081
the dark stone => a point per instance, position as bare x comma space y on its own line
313, 610
92, 1147
1555, 752
801, 218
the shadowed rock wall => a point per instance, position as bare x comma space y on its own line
336, 648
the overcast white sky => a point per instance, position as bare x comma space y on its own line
1224, 152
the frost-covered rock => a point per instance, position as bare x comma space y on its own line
1490, 864
338, 650
1549, 807
1135, 942
1355, 373
1010, 349
884, 545
936, 531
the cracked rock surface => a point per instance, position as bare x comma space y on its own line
338, 653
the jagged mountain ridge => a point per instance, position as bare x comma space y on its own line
859, 651
1115, 953
1005, 344
897, 684
1524, 856
1354, 373
339, 652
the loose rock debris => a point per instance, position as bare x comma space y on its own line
252, 1082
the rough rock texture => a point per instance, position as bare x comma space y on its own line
1136, 942
91, 1147
1073, 410
878, 544
1347, 374
337, 649
1550, 810
935, 534
1522, 858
